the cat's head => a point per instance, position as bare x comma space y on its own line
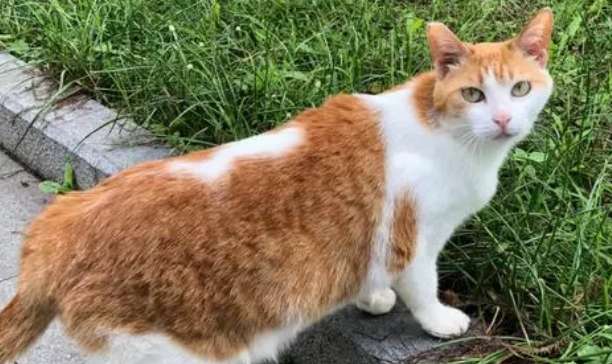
491, 92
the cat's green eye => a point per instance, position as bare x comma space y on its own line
521, 88
472, 94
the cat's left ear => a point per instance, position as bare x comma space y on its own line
535, 37
447, 51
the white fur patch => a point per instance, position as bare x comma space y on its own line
268, 344
158, 349
144, 349
268, 145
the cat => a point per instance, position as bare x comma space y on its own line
226, 254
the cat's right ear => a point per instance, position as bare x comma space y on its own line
446, 49
534, 40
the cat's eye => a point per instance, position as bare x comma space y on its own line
521, 88
472, 94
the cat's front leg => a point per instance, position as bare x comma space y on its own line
417, 285
377, 302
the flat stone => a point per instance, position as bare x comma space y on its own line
43, 129
351, 336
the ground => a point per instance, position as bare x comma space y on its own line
21, 200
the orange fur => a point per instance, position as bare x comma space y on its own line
403, 234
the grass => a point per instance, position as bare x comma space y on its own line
536, 264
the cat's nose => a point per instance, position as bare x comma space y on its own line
502, 120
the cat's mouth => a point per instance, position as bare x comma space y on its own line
505, 135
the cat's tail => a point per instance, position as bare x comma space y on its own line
22, 322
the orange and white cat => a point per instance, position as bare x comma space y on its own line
224, 255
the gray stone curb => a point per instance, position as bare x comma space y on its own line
43, 130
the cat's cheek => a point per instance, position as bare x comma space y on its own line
478, 117
541, 98
526, 113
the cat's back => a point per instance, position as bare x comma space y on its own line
339, 139
327, 159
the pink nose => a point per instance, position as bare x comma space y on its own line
502, 120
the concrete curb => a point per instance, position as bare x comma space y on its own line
43, 130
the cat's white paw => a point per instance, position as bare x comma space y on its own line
443, 321
378, 303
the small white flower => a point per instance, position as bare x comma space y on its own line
172, 28
238, 28
189, 66
317, 83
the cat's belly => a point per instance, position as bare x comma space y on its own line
159, 349
141, 349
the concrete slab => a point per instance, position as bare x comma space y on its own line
20, 201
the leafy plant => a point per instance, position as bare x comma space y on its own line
56, 188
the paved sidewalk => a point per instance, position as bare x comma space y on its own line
20, 201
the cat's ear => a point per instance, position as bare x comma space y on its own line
535, 37
446, 49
